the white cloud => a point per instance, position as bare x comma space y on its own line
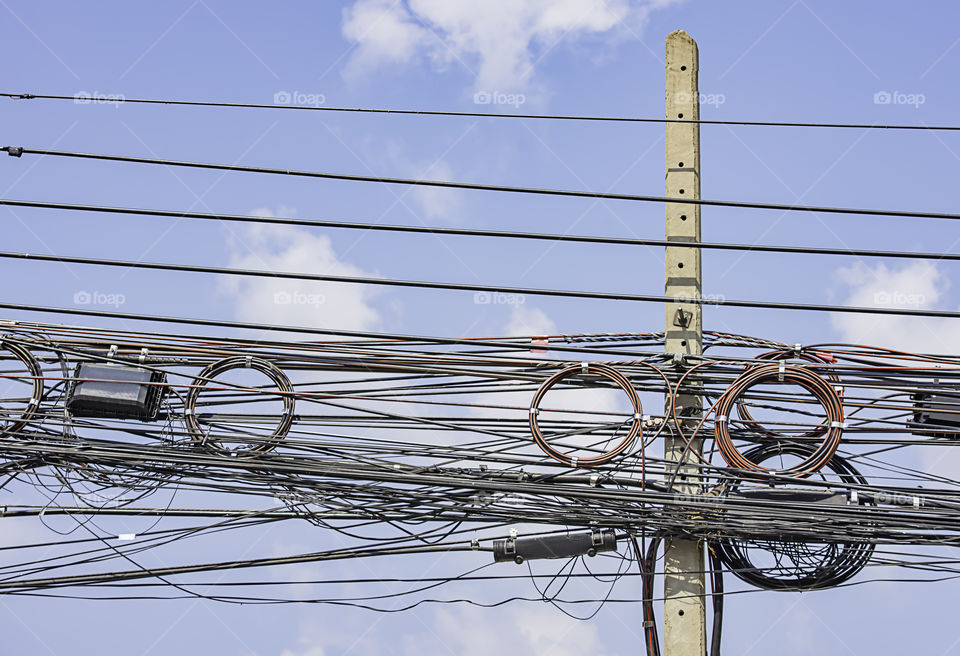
500, 41
920, 285
434, 203
526, 321
297, 302
522, 630
464, 631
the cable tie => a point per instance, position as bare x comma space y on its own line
249, 362
781, 371
573, 461
534, 411
584, 367
638, 417
838, 424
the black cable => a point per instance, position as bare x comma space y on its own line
423, 284
469, 232
423, 112
18, 151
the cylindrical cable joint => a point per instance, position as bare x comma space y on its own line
554, 546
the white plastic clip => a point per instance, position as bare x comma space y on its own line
249, 362
797, 348
638, 417
584, 367
475, 545
838, 424
781, 371
513, 534
534, 411
839, 390
113, 351
916, 502
721, 418
854, 497
573, 461
126, 537
143, 355
594, 479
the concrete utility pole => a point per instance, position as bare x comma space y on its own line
684, 623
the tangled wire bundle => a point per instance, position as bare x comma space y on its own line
782, 373
205, 382
785, 564
586, 369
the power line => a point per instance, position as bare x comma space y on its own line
81, 99
17, 151
469, 232
490, 289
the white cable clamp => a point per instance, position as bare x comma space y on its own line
838, 424
33, 401
594, 479
126, 537
839, 389
189, 411
249, 362
797, 348
475, 545
638, 417
396, 465
513, 534
534, 411
854, 497
573, 461
916, 502
781, 371
584, 367
721, 418
113, 351
143, 355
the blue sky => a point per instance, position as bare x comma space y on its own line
804, 61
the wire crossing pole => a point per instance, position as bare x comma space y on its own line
684, 611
